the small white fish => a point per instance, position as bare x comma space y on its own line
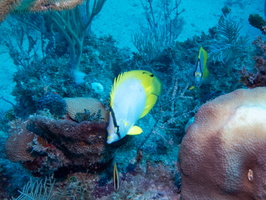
133, 95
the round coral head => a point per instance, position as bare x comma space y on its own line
223, 154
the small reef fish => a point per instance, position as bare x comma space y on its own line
201, 71
133, 95
116, 177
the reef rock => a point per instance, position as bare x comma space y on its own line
17, 143
223, 154
44, 145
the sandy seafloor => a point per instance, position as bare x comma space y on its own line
121, 18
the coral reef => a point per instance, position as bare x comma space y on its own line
17, 143
229, 42
63, 132
12, 177
51, 75
38, 189
155, 183
52, 102
222, 155
256, 78
44, 145
74, 25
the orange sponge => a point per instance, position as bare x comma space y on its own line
223, 154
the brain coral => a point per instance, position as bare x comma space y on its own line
223, 154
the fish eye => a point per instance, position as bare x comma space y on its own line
151, 75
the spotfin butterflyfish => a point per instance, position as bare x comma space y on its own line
201, 71
133, 95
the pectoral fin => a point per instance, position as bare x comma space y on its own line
135, 130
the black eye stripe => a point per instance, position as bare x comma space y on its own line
115, 123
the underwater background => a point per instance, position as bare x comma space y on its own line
59, 60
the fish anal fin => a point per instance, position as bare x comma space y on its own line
135, 130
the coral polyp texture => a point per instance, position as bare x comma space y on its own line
223, 154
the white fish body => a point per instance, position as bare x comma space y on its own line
133, 94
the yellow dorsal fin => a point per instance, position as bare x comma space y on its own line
135, 130
117, 82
